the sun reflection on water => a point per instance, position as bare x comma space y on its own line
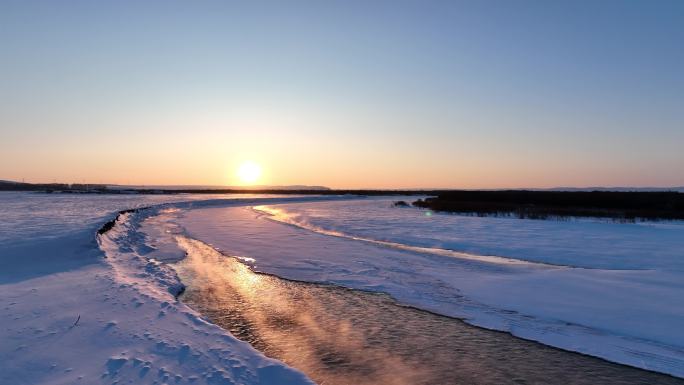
345, 337
286, 322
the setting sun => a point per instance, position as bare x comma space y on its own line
322, 192
249, 172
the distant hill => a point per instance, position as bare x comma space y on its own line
198, 187
7, 185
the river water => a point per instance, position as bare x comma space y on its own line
339, 336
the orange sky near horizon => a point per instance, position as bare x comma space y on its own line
368, 166
443, 94
201, 148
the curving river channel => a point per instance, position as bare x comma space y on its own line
339, 336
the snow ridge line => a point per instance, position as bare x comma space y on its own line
125, 248
185, 344
278, 215
107, 226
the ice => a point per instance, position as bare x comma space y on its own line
608, 289
625, 314
591, 243
72, 316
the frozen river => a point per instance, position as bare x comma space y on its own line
609, 290
339, 337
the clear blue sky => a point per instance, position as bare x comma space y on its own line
344, 94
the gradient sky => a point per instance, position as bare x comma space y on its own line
347, 94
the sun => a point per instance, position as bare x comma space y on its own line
249, 172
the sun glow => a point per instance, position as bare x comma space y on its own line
249, 172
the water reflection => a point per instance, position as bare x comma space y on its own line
339, 337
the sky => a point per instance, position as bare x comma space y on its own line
346, 94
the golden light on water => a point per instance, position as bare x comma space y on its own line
249, 172
340, 337
311, 330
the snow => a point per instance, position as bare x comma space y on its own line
604, 243
606, 299
602, 288
71, 316
123, 334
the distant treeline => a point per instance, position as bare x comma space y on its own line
290, 191
619, 205
623, 206
103, 189
49, 187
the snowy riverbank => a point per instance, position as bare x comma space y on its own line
605, 289
71, 316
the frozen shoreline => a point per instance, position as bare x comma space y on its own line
339, 336
625, 316
83, 318
130, 288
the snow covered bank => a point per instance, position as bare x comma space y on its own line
71, 316
627, 316
123, 335
589, 243
340, 336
